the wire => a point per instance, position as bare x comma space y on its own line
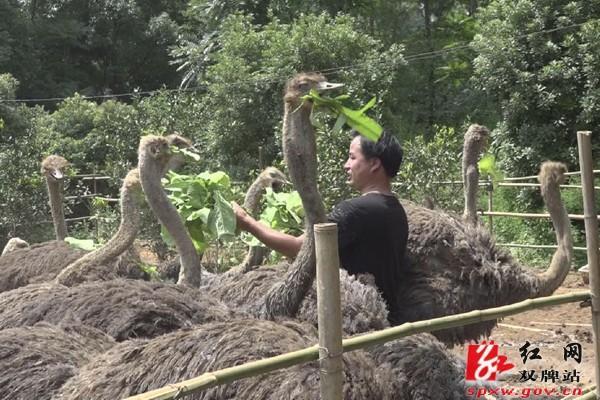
274, 79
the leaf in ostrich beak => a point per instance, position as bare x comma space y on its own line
357, 119
186, 152
321, 86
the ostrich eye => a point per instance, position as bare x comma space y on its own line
303, 86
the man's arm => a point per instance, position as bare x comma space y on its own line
283, 243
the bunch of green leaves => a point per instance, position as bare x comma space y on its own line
283, 211
356, 119
488, 167
203, 201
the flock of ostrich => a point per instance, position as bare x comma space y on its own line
77, 325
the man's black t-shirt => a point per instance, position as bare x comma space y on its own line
372, 235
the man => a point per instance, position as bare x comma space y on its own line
372, 228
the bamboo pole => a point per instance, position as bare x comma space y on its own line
254, 368
526, 215
537, 246
584, 142
490, 190
329, 311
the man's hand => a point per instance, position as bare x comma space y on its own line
242, 218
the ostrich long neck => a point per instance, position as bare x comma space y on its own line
253, 195
470, 179
255, 254
150, 175
55, 192
123, 239
299, 148
559, 267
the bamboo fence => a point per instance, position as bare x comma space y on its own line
253, 368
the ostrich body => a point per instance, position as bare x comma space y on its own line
154, 156
475, 140
121, 308
457, 267
106, 258
36, 361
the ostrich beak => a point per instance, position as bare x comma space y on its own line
57, 174
321, 86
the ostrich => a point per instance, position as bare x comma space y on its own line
154, 155
475, 140
36, 361
457, 267
52, 169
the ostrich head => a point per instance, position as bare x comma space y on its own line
177, 160
301, 85
53, 167
477, 137
274, 178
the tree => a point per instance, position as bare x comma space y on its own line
539, 60
243, 107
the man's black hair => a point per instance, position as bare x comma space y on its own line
387, 149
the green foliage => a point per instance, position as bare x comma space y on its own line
246, 77
534, 55
426, 163
488, 168
203, 201
56, 48
83, 244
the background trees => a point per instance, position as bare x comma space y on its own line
214, 70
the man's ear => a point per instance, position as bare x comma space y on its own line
375, 164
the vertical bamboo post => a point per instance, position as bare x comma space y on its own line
584, 142
261, 158
329, 309
490, 190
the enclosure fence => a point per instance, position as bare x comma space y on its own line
227, 375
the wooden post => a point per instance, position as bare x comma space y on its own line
329, 309
584, 142
261, 158
490, 190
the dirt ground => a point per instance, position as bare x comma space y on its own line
549, 329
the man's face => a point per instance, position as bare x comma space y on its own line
358, 168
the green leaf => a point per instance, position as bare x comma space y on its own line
84, 244
363, 124
487, 167
222, 219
